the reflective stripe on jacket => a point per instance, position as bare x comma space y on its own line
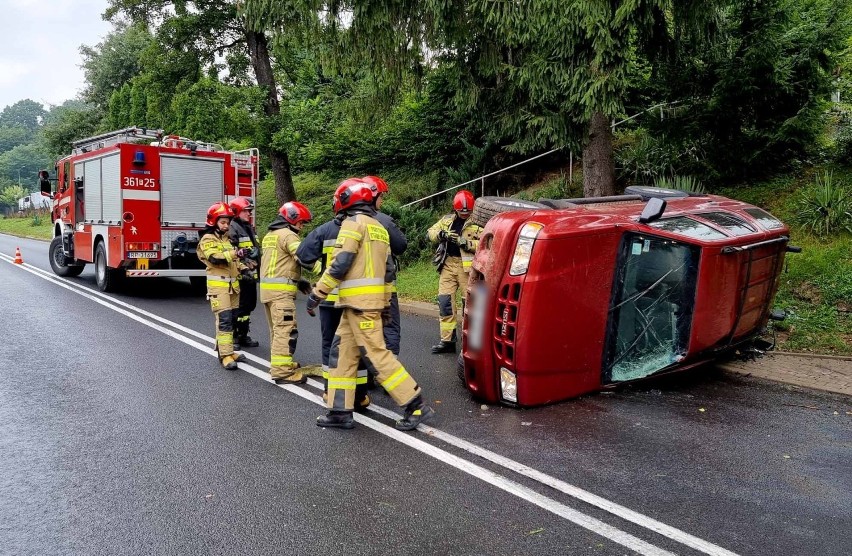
361, 265
470, 232
219, 256
279, 269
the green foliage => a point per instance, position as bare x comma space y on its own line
25, 161
11, 137
26, 114
66, 124
825, 208
37, 220
111, 64
10, 194
23, 227
681, 183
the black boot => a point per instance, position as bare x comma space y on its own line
444, 347
246, 342
416, 412
336, 419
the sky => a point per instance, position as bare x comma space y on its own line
40, 47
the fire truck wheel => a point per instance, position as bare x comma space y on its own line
108, 279
59, 263
486, 207
198, 284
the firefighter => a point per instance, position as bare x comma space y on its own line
398, 243
457, 238
280, 279
314, 253
241, 234
361, 268
223, 264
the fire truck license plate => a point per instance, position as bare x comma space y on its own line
141, 254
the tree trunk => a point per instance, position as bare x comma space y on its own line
598, 162
280, 162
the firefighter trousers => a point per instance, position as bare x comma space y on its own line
248, 303
360, 334
283, 335
223, 306
453, 277
329, 321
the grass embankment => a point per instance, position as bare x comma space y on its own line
27, 226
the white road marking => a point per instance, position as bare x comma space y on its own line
507, 463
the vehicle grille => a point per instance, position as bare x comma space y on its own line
505, 322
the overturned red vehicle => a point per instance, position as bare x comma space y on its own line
573, 296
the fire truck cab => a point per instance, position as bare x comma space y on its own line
133, 202
580, 295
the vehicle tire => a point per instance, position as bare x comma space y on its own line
486, 207
460, 367
59, 262
108, 279
647, 192
198, 285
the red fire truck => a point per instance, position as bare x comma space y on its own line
133, 202
577, 295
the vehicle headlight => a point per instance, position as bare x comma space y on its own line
508, 385
524, 247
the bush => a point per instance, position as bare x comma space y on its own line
681, 183
825, 208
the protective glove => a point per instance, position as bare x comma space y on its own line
312, 304
462, 242
453, 237
304, 286
246, 274
442, 235
241, 253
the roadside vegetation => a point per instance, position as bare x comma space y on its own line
746, 99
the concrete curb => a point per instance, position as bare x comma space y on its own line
420, 308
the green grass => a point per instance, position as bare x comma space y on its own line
23, 227
418, 282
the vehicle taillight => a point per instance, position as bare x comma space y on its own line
524, 247
142, 246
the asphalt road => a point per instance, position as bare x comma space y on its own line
120, 434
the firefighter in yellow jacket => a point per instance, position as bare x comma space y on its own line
223, 287
361, 268
457, 238
280, 279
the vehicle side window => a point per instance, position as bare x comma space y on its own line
688, 227
730, 222
764, 218
651, 312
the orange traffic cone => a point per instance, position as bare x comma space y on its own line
18, 258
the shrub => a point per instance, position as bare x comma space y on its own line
681, 183
825, 208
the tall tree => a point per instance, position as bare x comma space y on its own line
210, 28
26, 114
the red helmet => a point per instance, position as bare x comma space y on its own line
241, 203
294, 212
378, 182
353, 192
217, 211
463, 201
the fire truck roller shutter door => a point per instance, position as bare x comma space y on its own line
111, 188
91, 189
187, 187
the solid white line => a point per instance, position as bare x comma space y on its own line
507, 463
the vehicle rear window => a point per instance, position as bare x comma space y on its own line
764, 218
687, 227
734, 224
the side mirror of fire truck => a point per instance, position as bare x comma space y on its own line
44, 182
653, 210
78, 183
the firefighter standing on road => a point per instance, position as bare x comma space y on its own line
223, 286
361, 268
242, 236
460, 237
280, 279
398, 243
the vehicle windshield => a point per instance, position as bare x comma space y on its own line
651, 311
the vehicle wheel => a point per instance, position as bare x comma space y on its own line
460, 367
198, 284
486, 207
647, 192
59, 262
108, 279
